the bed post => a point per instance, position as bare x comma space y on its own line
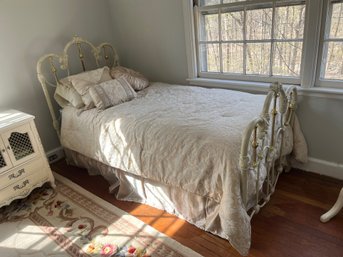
256, 125
292, 105
43, 83
277, 130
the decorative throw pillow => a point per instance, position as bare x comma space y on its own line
135, 79
66, 95
82, 87
112, 92
84, 81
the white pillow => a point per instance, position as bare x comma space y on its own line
66, 95
135, 79
84, 81
112, 92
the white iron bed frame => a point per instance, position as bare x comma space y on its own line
259, 138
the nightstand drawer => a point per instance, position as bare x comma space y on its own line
20, 172
21, 188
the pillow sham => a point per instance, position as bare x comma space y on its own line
66, 95
112, 92
135, 79
84, 81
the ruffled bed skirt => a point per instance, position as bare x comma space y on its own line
203, 212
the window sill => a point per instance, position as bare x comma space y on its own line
261, 87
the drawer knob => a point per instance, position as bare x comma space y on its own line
3, 150
19, 173
17, 187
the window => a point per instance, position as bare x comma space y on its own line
291, 41
332, 45
251, 39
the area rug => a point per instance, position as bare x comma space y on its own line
70, 221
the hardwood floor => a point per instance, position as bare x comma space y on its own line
288, 225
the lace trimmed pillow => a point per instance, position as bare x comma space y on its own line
112, 92
135, 79
84, 81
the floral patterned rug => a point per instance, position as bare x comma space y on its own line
70, 221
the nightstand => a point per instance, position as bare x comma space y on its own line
23, 164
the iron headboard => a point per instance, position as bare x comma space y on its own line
104, 55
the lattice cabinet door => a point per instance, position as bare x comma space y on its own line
5, 162
20, 144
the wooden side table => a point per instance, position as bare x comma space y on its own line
334, 210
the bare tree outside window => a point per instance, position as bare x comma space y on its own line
252, 39
332, 64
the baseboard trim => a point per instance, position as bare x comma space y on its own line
321, 167
55, 155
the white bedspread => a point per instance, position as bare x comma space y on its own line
186, 137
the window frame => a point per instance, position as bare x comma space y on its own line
244, 76
311, 58
324, 31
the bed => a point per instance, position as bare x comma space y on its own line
209, 156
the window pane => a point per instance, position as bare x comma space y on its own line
289, 22
259, 24
232, 58
287, 59
333, 63
232, 25
258, 58
336, 30
209, 27
209, 58
209, 2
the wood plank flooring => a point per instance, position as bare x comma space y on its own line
287, 226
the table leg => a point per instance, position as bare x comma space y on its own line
334, 210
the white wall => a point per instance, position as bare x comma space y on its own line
29, 29
322, 123
150, 37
